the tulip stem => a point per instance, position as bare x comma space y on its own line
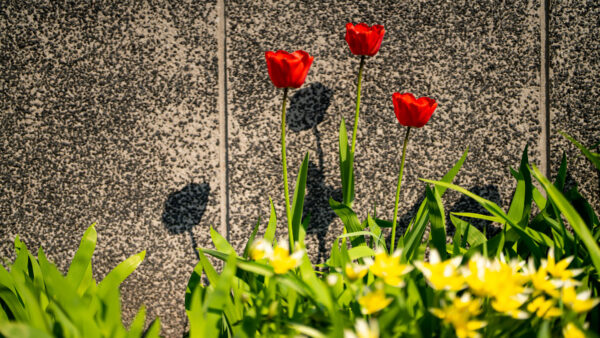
288, 212
349, 198
398, 191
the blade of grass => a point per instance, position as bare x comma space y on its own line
494, 209
83, 257
436, 219
298, 199
572, 217
593, 157
117, 275
272, 226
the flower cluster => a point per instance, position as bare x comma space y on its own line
460, 314
516, 290
279, 257
513, 289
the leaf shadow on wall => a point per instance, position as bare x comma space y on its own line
184, 209
308, 107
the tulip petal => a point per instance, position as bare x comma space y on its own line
288, 69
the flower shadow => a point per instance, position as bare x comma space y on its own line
308, 107
183, 210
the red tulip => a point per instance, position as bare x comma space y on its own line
412, 112
363, 39
288, 70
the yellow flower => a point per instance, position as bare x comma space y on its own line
373, 302
578, 302
571, 331
442, 275
261, 249
283, 262
559, 270
389, 268
543, 308
509, 304
541, 282
496, 278
459, 316
363, 330
355, 271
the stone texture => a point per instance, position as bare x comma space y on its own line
574, 34
108, 116
479, 60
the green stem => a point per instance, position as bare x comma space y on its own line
358, 87
350, 193
288, 212
398, 191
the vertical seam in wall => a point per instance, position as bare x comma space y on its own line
545, 89
222, 106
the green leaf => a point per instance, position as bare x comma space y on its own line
539, 199
136, 329
414, 235
379, 240
520, 207
16, 308
544, 330
68, 328
83, 257
298, 200
110, 314
360, 252
153, 330
251, 239
119, 273
35, 313
382, 223
335, 258
21, 330
344, 154
593, 157
209, 270
583, 208
307, 330
470, 233
302, 231
217, 297
561, 177
494, 209
572, 217
272, 226
249, 266
194, 281
294, 283
436, 219
478, 216
220, 242
377, 233
195, 314
350, 220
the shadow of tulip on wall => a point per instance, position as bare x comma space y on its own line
184, 210
307, 110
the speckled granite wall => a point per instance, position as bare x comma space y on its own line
574, 36
110, 115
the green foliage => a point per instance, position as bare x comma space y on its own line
252, 296
37, 300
